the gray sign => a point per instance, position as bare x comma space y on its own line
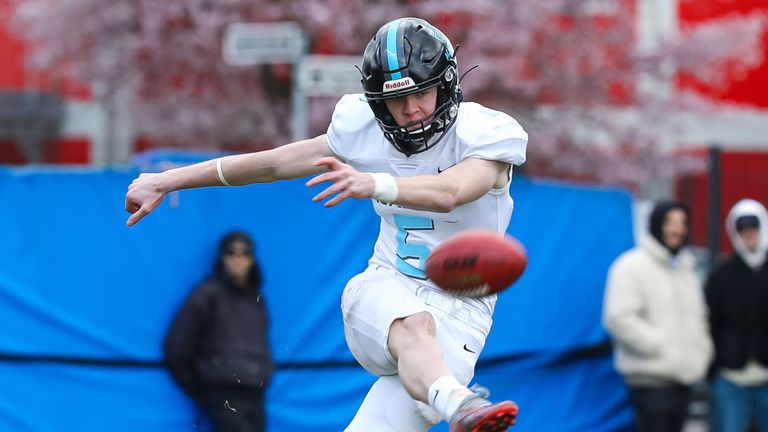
260, 43
329, 75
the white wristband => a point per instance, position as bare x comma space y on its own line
384, 187
221, 174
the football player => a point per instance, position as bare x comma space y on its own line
433, 166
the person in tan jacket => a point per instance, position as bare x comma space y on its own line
655, 312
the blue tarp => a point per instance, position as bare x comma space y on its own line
85, 302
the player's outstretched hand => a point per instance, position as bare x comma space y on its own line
347, 182
143, 196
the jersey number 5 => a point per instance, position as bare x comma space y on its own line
408, 252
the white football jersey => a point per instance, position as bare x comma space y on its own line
407, 236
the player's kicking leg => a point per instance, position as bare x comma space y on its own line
422, 371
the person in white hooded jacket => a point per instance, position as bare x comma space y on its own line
655, 313
737, 296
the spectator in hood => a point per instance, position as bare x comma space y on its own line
654, 311
737, 295
217, 349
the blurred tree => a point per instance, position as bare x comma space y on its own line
595, 95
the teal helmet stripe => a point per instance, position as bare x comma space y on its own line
448, 47
392, 54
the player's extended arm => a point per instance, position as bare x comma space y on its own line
465, 182
287, 162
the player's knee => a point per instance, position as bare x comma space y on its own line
415, 327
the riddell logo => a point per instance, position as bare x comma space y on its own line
398, 84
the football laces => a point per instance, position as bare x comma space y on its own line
477, 291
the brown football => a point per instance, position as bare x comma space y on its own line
476, 263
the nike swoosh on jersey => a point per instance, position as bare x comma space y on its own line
468, 350
441, 170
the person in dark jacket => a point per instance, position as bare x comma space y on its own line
217, 348
737, 296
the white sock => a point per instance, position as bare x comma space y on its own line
445, 395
